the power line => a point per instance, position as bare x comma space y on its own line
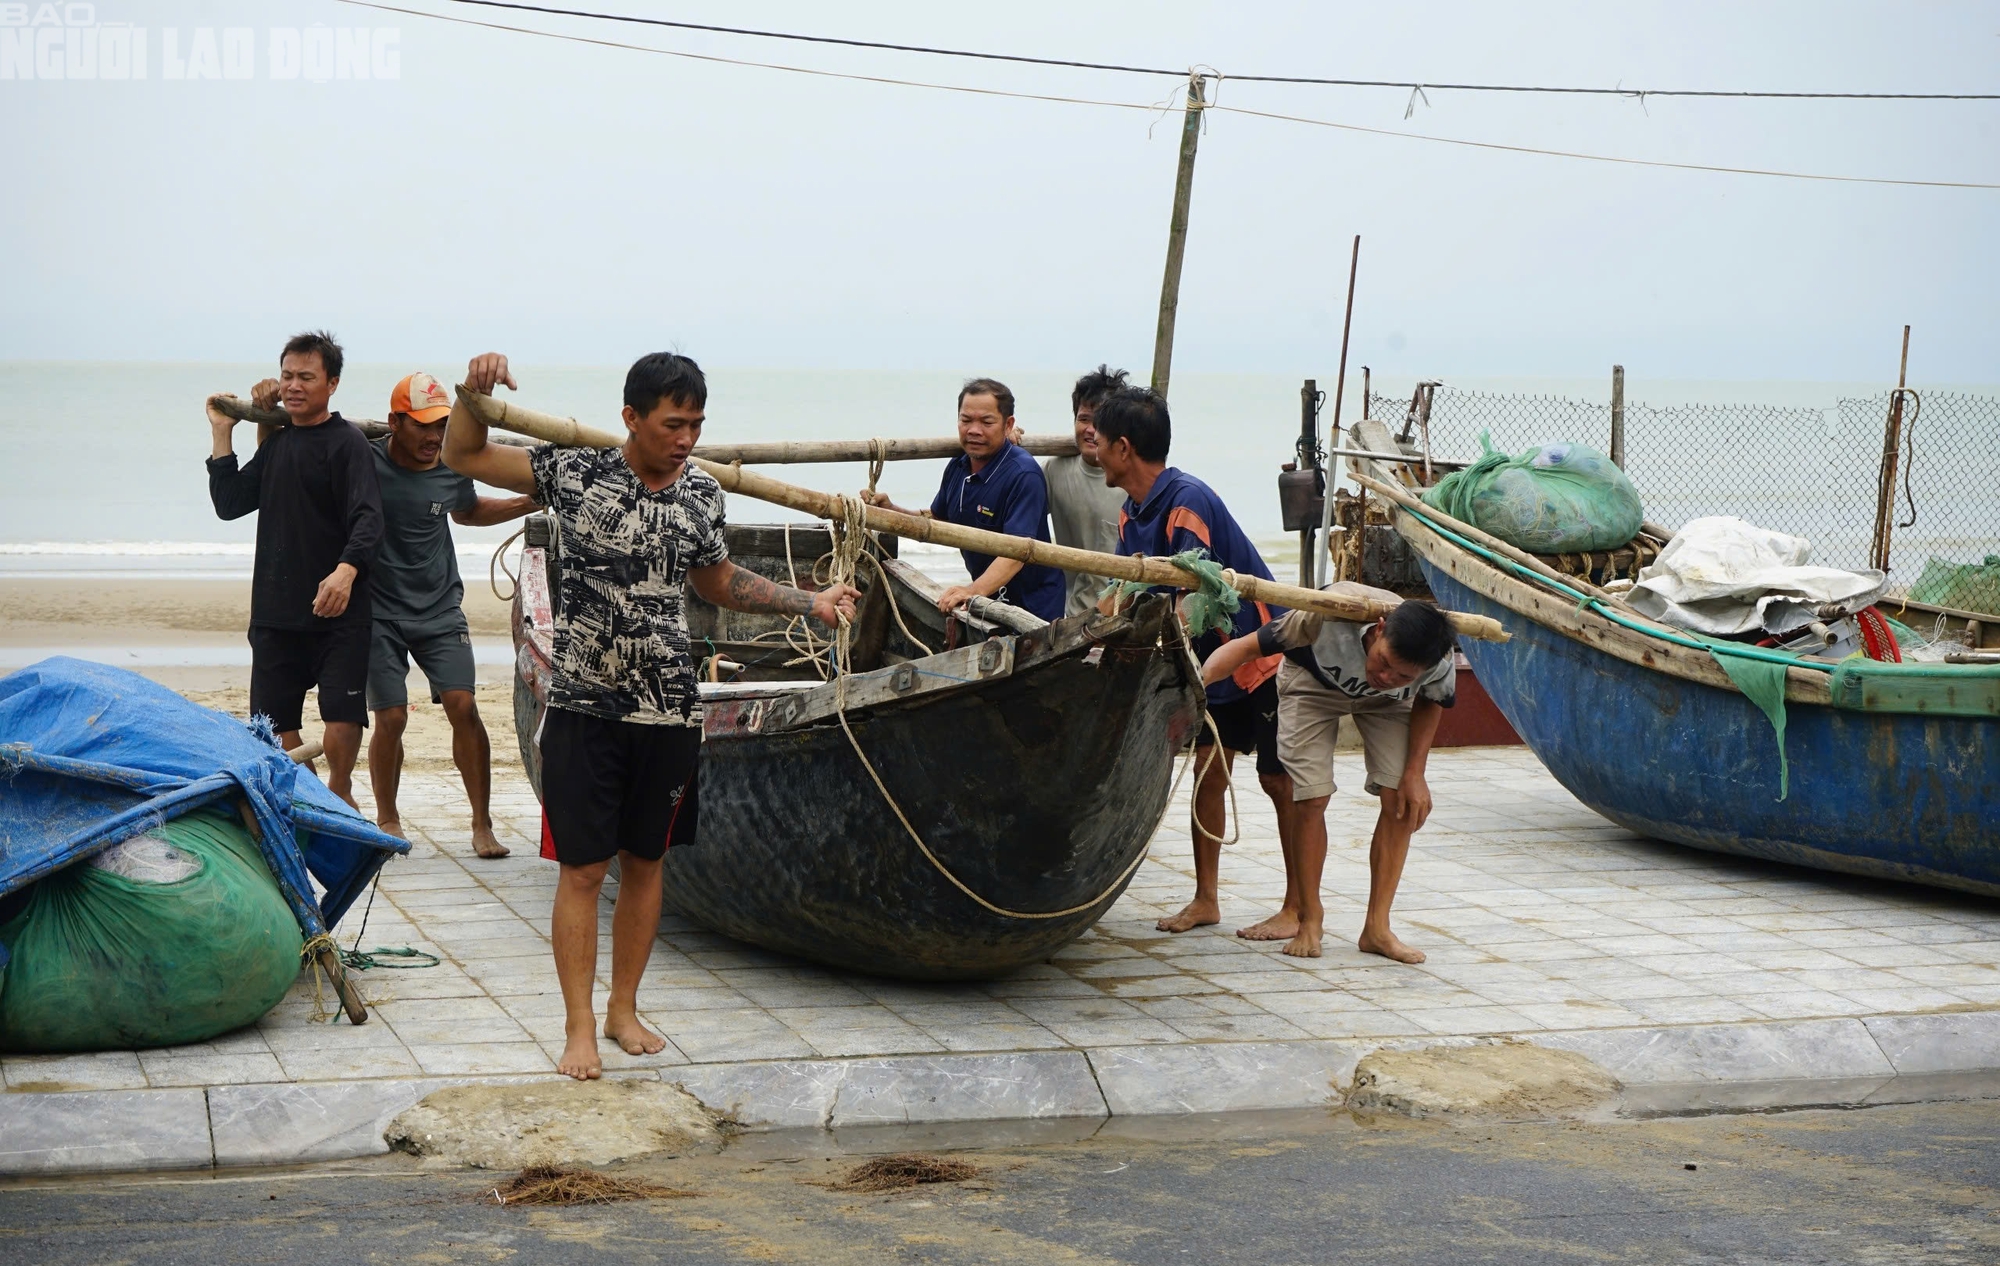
1412, 85
1157, 108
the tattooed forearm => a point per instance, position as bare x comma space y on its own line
753, 593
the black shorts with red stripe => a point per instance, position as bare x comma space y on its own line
617, 786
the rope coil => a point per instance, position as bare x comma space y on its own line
849, 535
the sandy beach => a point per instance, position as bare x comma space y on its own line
37, 610
184, 633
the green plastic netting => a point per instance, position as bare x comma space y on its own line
177, 936
1556, 499
1209, 607
1966, 586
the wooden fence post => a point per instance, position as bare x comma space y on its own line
1618, 416
1892, 443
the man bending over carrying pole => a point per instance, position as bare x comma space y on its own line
621, 743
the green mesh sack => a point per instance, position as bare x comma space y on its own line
1556, 499
1966, 586
174, 936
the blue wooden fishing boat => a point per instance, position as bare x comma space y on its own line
1894, 769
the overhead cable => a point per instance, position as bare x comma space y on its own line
1412, 85
1156, 107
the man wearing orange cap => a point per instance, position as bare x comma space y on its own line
418, 595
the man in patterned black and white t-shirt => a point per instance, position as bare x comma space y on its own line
621, 745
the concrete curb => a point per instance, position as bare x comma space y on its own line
1722, 1067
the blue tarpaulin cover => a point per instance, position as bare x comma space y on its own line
91, 755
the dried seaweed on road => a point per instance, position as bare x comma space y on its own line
556, 1184
896, 1173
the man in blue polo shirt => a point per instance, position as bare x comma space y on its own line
1169, 511
994, 485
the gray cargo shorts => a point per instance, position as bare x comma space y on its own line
441, 647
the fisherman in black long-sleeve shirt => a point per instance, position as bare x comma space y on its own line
319, 523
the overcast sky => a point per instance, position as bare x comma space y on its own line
577, 204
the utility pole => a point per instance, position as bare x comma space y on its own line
1170, 286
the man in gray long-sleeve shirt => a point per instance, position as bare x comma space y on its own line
319, 522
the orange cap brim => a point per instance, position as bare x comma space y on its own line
437, 413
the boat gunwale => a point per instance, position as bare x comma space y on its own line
1531, 602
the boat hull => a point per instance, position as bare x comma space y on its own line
1038, 791
1035, 765
1894, 796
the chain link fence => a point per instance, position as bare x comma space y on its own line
1811, 472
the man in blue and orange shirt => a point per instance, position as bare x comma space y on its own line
1169, 511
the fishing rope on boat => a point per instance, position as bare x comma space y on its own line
809, 647
499, 560
1130, 589
850, 533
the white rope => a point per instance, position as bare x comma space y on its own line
499, 560
840, 710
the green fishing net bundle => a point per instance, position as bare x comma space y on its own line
175, 936
1556, 499
1210, 607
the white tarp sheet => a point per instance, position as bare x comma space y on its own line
1723, 575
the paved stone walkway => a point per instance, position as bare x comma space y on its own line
1538, 916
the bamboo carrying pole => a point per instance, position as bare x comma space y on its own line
785, 452
243, 411
777, 453
1892, 443
1177, 225
822, 505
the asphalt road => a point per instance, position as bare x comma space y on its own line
1885, 1185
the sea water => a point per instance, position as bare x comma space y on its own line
103, 468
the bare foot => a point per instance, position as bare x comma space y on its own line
1388, 946
1306, 943
484, 844
391, 826
1195, 914
633, 1037
579, 1057
1282, 926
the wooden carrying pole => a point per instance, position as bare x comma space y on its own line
775, 453
1892, 443
1170, 285
823, 505
1323, 560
